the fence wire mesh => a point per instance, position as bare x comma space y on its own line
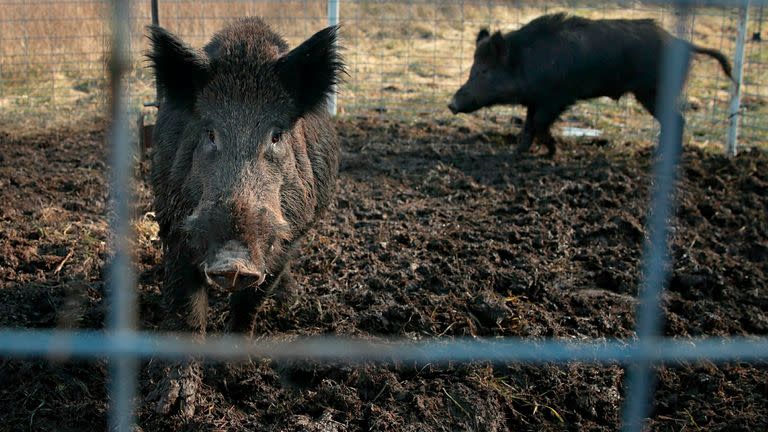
405, 58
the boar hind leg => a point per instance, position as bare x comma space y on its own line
648, 100
187, 305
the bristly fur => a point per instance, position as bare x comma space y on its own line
247, 86
558, 59
180, 70
311, 71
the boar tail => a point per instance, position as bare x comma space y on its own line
717, 55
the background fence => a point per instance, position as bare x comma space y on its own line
402, 61
405, 57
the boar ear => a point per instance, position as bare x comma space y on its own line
310, 71
499, 46
484, 33
180, 70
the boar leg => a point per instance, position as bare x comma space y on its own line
538, 120
545, 136
526, 138
542, 122
187, 303
185, 296
648, 100
287, 288
243, 304
242, 309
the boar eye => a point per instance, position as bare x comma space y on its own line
211, 136
276, 137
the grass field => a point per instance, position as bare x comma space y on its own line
405, 59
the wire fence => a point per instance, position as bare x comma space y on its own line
406, 87
405, 57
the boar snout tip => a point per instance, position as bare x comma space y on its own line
452, 107
236, 277
232, 268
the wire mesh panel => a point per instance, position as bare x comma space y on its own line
409, 57
404, 59
52, 59
754, 88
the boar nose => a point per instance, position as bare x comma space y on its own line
234, 278
233, 266
452, 107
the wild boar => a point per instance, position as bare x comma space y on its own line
556, 60
245, 162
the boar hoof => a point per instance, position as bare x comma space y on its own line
518, 153
178, 387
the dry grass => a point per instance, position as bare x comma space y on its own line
404, 59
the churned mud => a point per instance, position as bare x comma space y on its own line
437, 231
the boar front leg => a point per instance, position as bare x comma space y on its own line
526, 136
542, 122
242, 309
186, 301
244, 303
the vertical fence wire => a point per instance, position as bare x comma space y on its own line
721, 45
122, 296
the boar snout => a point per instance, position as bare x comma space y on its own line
454, 104
233, 248
462, 102
233, 266
452, 107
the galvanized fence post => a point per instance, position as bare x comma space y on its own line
155, 22
121, 289
333, 19
649, 319
738, 76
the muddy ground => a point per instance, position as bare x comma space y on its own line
437, 231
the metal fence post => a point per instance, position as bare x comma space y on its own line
738, 76
333, 19
155, 22
121, 289
640, 379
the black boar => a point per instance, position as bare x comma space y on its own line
246, 160
556, 60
